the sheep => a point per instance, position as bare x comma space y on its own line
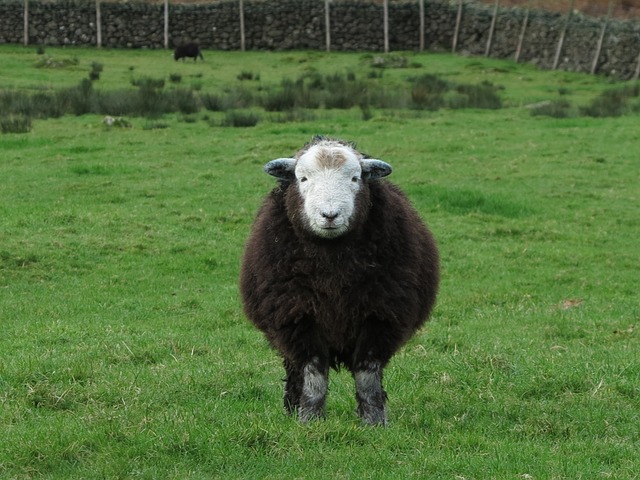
191, 50
338, 270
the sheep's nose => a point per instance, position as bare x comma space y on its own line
332, 215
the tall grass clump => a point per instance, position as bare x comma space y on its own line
240, 119
96, 70
427, 92
612, 103
483, 95
212, 102
284, 98
78, 100
15, 124
344, 92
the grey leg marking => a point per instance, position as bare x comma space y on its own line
370, 394
314, 391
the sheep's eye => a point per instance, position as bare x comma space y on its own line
303, 179
355, 179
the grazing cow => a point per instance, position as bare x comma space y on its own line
191, 50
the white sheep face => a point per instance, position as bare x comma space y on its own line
329, 179
328, 176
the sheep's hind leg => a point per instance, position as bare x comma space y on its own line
314, 390
370, 395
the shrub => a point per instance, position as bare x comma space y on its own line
148, 83
212, 102
175, 78
15, 124
79, 99
344, 93
282, 99
118, 102
365, 110
611, 103
96, 69
238, 96
240, 119
427, 92
484, 95
184, 101
45, 105
15, 102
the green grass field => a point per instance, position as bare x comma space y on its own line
124, 351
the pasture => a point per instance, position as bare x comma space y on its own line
124, 351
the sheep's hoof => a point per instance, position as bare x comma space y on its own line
372, 415
306, 415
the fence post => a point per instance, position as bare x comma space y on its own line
522, 32
596, 57
561, 40
327, 25
421, 8
492, 28
26, 23
242, 43
455, 33
166, 24
637, 74
385, 8
98, 25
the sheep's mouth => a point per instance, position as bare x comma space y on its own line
329, 231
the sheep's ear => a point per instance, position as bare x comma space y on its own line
281, 168
373, 169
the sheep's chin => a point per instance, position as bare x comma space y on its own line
329, 232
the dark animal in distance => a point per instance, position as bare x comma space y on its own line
190, 50
339, 270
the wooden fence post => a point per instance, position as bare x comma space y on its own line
327, 25
385, 9
596, 57
455, 33
522, 32
492, 28
637, 74
562, 34
26, 23
166, 24
242, 43
421, 8
98, 25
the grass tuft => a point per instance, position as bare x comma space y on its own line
15, 124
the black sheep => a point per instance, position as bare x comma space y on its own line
339, 270
190, 50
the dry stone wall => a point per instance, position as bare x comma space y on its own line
356, 25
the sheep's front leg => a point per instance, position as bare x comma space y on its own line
370, 395
292, 387
315, 383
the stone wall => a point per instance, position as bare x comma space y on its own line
356, 25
